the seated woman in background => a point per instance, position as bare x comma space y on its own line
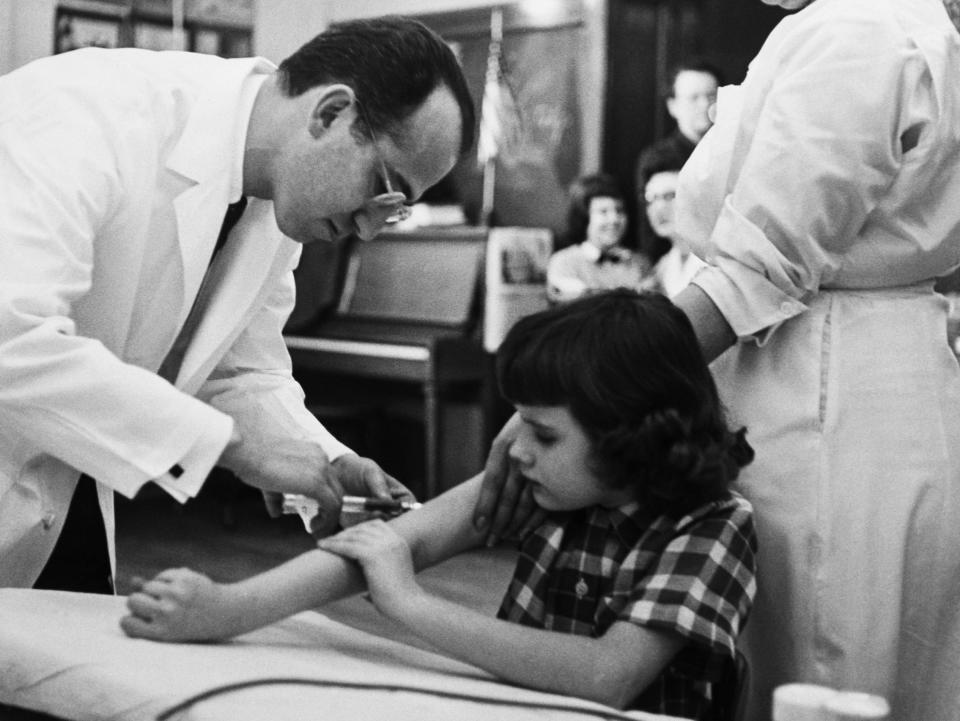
632, 590
595, 259
659, 175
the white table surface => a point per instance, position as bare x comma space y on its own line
64, 654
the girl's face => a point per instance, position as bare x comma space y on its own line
552, 451
607, 222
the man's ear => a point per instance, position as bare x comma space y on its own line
332, 102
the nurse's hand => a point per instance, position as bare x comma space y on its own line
505, 507
179, 605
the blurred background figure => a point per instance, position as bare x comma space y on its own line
676, 268
693, 93
594, 257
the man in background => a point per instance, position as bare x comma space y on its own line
140, 319
693, 92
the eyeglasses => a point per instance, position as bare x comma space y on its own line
662, 197
401, 212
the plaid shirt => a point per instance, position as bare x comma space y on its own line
582, 571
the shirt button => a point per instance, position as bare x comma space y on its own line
786, 307
48, 520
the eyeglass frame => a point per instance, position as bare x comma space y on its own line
667, 197
402, 211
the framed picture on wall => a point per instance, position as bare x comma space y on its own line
80, 30
206, 41
154, 36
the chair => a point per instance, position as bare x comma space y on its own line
731, 690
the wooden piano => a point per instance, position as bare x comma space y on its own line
403, 307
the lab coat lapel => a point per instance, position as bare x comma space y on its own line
237, 279
198, 225
204, 155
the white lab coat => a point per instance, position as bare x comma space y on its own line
116, 167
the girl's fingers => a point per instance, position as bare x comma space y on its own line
137, 627
341, 546
144, 606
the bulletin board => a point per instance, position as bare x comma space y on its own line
545, 54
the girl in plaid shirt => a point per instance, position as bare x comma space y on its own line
634, 587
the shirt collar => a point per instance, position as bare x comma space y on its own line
631, 521
248, 95
593, 253
590, 251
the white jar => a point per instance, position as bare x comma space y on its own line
856, 706
801, 702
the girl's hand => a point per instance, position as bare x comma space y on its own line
177, 605
386, 562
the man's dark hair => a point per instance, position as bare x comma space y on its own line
698, 65
582, 191
629, 368
392, 63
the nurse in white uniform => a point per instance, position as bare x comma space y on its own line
825, 199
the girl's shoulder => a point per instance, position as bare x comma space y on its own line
729, 513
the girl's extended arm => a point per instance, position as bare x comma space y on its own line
612, 669
182, 605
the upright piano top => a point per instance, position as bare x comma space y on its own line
399, 287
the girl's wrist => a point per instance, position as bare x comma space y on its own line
407, 606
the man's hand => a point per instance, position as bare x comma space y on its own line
279, 465
505, 507
359, 476
356, 476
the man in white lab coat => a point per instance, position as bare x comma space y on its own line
131, 350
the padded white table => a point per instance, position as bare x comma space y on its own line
64, 654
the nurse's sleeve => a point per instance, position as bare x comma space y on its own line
815, 147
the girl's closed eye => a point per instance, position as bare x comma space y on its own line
544, 438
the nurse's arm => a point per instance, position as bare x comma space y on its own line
711, 327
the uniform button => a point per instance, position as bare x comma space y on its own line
48, 520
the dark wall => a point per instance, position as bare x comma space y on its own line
646, 39
542, 51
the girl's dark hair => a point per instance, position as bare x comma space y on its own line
630, 369
582, 191
392, 63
